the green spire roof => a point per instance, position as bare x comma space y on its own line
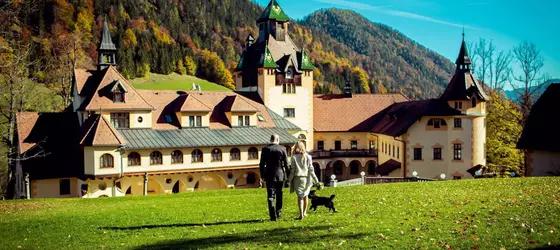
267, 61
240, 63
306, 61
273, 12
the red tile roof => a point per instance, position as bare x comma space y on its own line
236, 103
101, 133
25, 121
396, 119
82, 76
192, 104
99, 96
168, 102
333, 113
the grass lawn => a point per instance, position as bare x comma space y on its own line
516, 213
174, 81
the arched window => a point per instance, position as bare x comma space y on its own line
155, 158
134, 159
338, 167
216, 154
235, 154
176, 157
106, 161
196, 156
251, 178
371, 168
354, 168
437, 123
253, 153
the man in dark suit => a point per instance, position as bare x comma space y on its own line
273, 170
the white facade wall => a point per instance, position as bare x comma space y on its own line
419, 136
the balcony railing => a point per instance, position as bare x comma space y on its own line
344, 153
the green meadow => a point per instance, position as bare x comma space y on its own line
174, 81
518, 213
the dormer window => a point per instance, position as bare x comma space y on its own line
290, 73
243, 121
118, 91
118, 96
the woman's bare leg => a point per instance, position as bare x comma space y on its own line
305, 201
300, 206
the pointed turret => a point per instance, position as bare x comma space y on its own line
463, 61
305, 63
464, 86
267, 60
273, 12
273, 21
106, 50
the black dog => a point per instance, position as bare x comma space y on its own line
321, 201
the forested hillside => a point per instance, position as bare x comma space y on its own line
391, 59
163, 36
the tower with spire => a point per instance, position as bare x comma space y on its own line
280, 72
466, 94
106, 51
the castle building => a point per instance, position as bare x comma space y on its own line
116, 140
388, 135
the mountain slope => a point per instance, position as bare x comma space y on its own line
154, 35
386, 54
512, 94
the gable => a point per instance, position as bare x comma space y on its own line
99, 94
101, 133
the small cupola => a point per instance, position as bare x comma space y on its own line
273, 21
107, 51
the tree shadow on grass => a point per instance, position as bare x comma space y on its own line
184, 225
294, 236
552, 247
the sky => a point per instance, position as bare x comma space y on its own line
438, 24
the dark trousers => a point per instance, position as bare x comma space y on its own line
274, 190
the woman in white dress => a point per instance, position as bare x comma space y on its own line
302, 177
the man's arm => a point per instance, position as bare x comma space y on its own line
284, 159
262, 164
